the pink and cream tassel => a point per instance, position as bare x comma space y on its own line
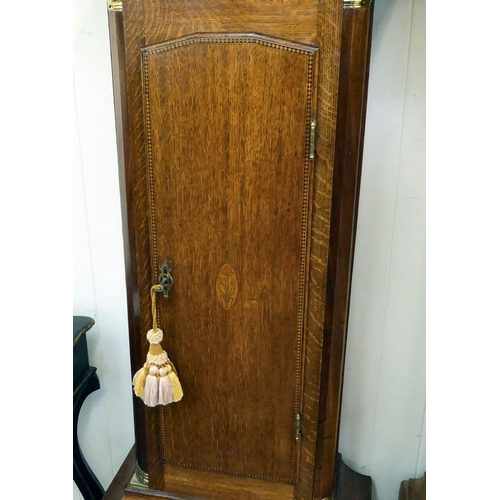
157, 383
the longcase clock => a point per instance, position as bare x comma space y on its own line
240, 126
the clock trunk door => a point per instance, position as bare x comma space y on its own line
227, 133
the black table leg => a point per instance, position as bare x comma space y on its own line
83, 476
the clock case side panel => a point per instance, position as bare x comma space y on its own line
146, 420
354, 68
329, 27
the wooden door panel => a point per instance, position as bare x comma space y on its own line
288, 19
227, 133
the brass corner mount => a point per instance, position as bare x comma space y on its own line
115, 5
140, 479
357, 4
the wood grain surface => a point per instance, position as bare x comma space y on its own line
189, 484
288, 19
354, 62
136, 182
227, 121
226, 286
214, 170
126, 176
218, 486
328, 41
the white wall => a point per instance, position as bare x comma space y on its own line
383, 417
106, 420
383, 413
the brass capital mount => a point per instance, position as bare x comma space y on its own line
357, 4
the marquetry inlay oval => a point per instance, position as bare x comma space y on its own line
226, 286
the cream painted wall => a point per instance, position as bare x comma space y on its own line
106, 420
383, 416
383, 409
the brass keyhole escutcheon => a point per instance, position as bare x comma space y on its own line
165, 279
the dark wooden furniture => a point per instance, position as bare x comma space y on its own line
240, 126
351, 485
122, 478
413, 489
85, 381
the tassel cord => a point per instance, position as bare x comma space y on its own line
154, 290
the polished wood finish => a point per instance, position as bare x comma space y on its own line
126, 171
354, 66
291, 20
81, 325
117, 487
351, 485
245, 195
240, 196
413, 489
226, 286
85, 382
139, 494
329, 29
220, 486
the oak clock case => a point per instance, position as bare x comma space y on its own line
240, 130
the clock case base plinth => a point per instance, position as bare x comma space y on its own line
350, 485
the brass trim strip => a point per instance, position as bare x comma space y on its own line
357, 4
312, 141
